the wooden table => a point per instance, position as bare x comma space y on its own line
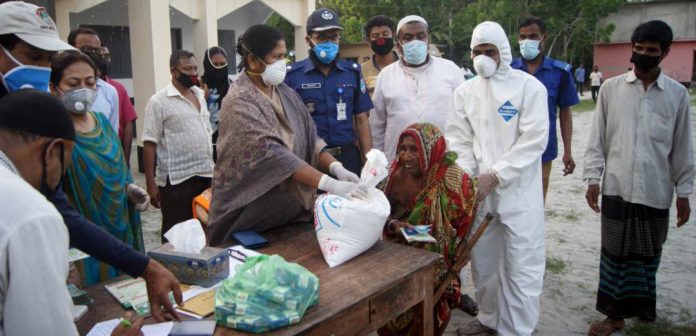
355, 298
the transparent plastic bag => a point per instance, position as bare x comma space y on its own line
266, 293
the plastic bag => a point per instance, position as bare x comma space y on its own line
347, 227
266, 293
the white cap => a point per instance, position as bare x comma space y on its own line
31, 24
409, 19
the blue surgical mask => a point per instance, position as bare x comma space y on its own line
529, 49
326, 52
415, 52
26, 76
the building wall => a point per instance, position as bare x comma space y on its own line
614, 59
680, 15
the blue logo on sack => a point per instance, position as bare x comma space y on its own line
507, 111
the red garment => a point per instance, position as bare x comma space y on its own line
126, 112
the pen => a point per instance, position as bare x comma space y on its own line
126, 323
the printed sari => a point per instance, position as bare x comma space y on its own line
446, 202
96, 183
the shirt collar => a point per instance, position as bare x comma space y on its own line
173, 91
309, 65
546, 63
659, 82
6, 162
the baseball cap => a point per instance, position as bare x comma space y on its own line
323, 19
31, 24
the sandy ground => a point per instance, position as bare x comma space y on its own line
573, 238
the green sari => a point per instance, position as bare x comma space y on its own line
96, 183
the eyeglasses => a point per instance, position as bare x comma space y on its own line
324, 37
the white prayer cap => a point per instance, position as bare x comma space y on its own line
408, 19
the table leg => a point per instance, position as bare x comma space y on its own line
425, 307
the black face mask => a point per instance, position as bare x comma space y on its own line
45, 189
103, 66
644, 63
186, 80
382, 46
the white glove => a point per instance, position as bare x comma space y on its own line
138, 196
342, 188
342, 174
486, 183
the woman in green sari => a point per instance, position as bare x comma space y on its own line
98, 182
426, 187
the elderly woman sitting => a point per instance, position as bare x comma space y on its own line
426, 186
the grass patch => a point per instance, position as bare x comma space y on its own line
571, 217
584, 106
551, 213
555, 265
660, 327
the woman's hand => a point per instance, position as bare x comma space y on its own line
342, 174
129, 328
395, 225
138, 196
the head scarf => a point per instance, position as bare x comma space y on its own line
216, 78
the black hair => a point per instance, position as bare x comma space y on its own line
20, 137
77, 31
653, 31
63, 60
378, 21
8, 41
176, 57
533, 20
259, 40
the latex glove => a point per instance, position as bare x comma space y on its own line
342, 174
138, 196
342, 188
486, 183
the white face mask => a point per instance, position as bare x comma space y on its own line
485, 66
274, 73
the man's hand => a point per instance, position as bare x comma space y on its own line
133, 330
569, 164
153, 191
486, 183
592, 196
683, 210
159, 283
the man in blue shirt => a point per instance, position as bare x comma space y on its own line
580, 78
557, 78
333, 91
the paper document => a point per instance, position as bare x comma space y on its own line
105, 328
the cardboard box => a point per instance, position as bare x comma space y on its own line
202, 269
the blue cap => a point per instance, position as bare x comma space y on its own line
323, 19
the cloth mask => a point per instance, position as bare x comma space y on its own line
274, 74
326, 52
644, 62
26, 76
485, 66
415, 52
382, 46
103, 66
79, 101
186, 80
529, 49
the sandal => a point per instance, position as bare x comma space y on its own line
475, 328
468, 305
606, 327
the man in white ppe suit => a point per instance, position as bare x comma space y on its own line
499, 128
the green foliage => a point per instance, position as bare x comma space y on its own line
572, 26
660, 327
555, 265
280, 23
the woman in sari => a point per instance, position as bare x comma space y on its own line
426, 187
98, 182
269, 154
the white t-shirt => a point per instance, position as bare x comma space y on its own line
34, 299
596, 78
405, 95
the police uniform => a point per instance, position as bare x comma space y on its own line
332, 101
558, 80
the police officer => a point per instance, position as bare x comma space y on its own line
334, 92
557, 78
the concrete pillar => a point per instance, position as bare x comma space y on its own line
150, 42
301, 47
63, 9
205, 30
